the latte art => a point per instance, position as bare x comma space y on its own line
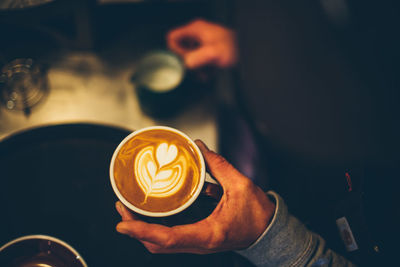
161, 175
157, 170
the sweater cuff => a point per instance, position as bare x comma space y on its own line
285, 242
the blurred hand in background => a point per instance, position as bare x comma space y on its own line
203, 43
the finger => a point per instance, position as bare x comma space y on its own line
202, 146
205, 55
153, 233
163, 239
175, 37
189, 43
168, 238
220, 168
151, 247
124, 212
156, 249
183, 44
191, 31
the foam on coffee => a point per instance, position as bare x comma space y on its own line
157, 170
156, 176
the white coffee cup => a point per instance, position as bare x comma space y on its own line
203, 177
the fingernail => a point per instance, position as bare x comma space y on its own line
201, 143
122, 230
118, 205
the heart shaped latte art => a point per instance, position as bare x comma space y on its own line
166, 154
158, 170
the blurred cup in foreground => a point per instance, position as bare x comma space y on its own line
39, 250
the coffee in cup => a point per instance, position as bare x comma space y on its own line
157, 171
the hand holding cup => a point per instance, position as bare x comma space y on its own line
241, 216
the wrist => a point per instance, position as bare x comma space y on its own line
269, 207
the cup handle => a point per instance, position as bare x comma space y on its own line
212, 188
211, 180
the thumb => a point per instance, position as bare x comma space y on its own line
220, 168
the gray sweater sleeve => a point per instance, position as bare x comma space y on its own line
287, 242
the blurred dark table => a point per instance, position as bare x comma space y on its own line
55, 182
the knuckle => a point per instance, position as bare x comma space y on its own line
243, 186
247, 184
219, 161
170, 243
